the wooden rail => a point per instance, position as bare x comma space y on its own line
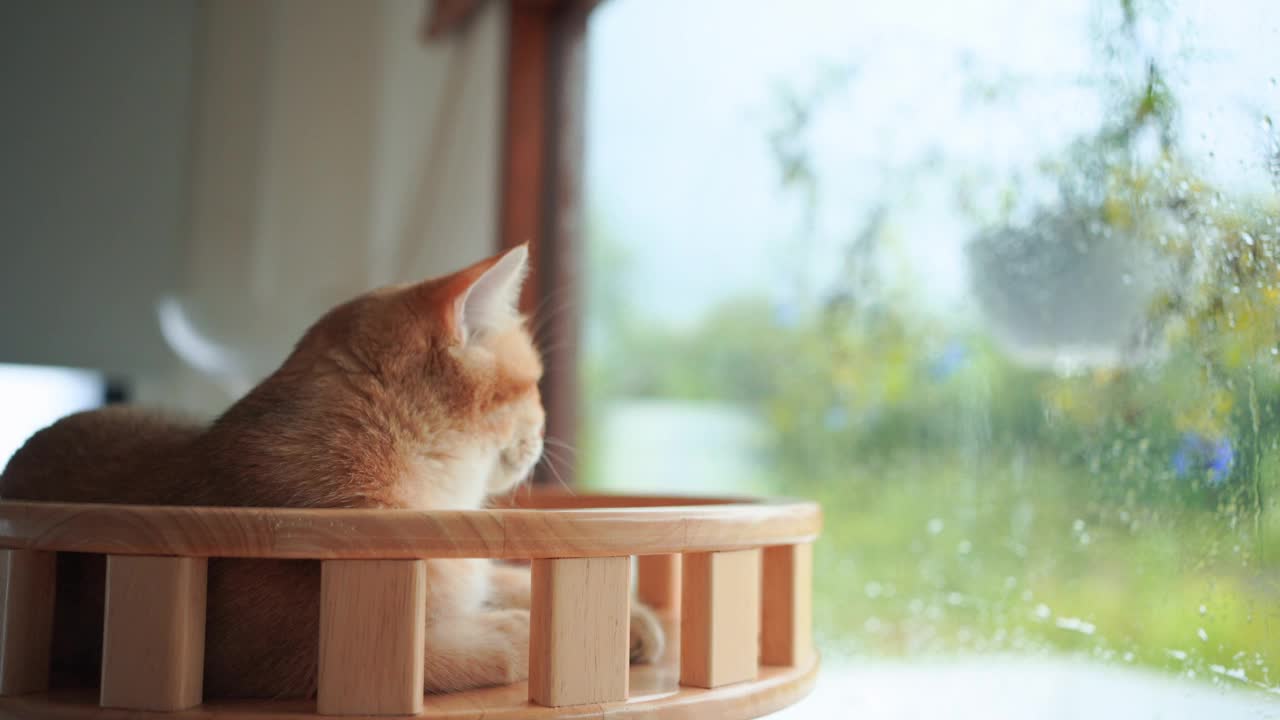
737, 573
403, 534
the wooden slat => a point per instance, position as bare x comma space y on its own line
658, 581
579, 629
26, 620
372, 634
720, 618
786, 632
153, 637
402, 534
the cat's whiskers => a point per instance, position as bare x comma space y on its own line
558, 443
547, 458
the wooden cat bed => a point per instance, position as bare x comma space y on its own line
731, 578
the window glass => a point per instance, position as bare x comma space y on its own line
33, 397
995, 281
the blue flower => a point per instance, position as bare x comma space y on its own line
1220, 461
1200, 455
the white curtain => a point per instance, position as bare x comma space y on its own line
333, 151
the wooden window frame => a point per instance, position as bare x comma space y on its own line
543, 133
542, 190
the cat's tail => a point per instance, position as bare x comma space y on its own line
230, 369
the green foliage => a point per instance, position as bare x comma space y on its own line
944, 552
977, 502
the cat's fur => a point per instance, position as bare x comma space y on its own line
422, 396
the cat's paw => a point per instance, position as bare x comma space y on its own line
647, 636
513, 625
476, 650
509, 587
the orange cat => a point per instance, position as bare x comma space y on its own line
422, 396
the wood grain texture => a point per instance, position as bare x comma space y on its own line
153, 637
593, 525
720, 618
786, 605
579, 631
26, 620
556, 498
372, 633
405, 534
654, 697
658, 581
654, 693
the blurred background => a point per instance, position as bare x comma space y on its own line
996, 282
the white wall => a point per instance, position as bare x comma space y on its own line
253, 162
93, 158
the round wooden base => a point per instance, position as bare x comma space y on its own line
655, 694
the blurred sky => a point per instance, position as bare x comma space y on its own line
682, 96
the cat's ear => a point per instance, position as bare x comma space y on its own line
489, 299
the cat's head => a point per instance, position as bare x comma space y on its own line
448, 368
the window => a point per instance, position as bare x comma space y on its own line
994, 281
32, 397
